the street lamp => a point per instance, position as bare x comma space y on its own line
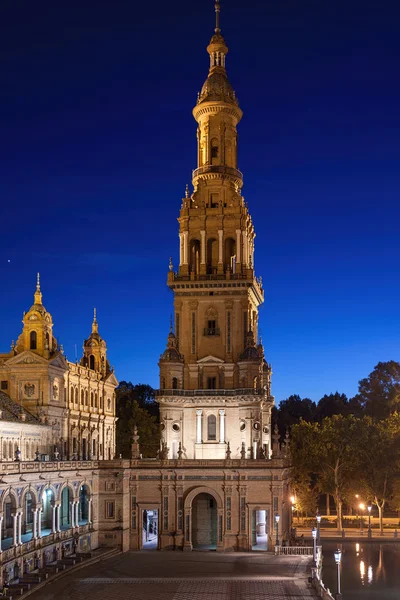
314, 535
338, 558
318, 529
362, 508
277, 517
369, 507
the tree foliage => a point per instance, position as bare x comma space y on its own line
325, 451
136, 406
379, 393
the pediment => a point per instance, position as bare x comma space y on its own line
112, 379
27, 358
59, 361
210, 360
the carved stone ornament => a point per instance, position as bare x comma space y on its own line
29, 360
29, 389
55, 391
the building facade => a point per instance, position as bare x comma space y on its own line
221, 478
77, 400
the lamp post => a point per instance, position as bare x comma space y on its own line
277, 517
338, 558
314, 535
362, 508
318, 529
369, 507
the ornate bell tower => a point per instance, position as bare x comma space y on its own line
214, 380
37, 334
95, 351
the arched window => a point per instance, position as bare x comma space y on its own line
174, 383
195, 256
86, 397
33, 340
230, 254
91, 362
71, 398
76, 396
163, 383
91, 399
4, 450
95, 399
82, 397
47, 340
212, 255
211, 427
214, 151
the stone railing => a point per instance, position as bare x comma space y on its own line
294, 550
222, 170
44, 466
39, 543
235, 392
320, 588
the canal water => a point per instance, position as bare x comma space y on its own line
369, 571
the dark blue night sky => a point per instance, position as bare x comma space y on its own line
98, 142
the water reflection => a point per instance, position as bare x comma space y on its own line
369, 570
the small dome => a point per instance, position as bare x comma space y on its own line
38, 308
217, 88
171, 354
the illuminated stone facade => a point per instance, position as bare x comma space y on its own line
221, 478
76, 399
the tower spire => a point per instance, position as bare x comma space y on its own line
38, 294
217, 13
95, 326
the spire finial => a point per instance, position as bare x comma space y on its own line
187, 191
95, 326
217, 11
38, 293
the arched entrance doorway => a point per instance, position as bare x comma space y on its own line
204, 522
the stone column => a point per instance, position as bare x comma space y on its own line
89, 511
15, 533
220, 245
77, 513
238, 245
39, 523
222, 426
72, 505
245, 249
1, 532
53, 518
185, 247
180, 249
203, 247
199, 414
35, 516
20, 529
58, 519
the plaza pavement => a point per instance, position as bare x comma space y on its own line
186, 576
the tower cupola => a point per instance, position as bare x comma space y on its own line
37, 334
95, 350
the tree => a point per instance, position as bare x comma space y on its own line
306, 497
332, 404
379, 393
292, 410
326, 451
379, 460
136, 406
